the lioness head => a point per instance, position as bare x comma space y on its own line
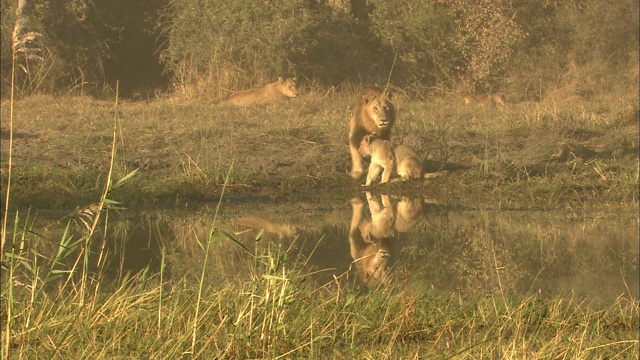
288, 87
377, 106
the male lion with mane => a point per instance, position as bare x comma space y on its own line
374, 114
276, 91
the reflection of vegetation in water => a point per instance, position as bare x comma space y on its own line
477, 253
488, 251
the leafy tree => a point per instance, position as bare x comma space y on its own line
71, 58
422, 34
336, 47
486, 34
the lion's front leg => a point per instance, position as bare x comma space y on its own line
357, 169
372, 175
386, 174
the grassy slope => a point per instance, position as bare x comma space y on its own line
543, 155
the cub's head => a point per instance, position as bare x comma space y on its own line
374, 265
378, 107
365, 145
288, 87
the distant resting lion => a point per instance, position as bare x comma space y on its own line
484, 100
374, 114
276, 91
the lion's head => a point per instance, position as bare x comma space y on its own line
377, 106
288, 87
374, 265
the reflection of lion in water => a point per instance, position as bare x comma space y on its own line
374, 114
282, 230
485, 99
276, 91
409, 213
369, 240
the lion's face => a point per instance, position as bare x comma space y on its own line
374, 267
378, 109
288, 87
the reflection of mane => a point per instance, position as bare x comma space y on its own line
282, 230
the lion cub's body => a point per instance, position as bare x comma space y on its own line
374, 114
382, 158
485, 100
408, 163
370, 239
276, 91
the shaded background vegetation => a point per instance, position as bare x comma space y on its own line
207, 48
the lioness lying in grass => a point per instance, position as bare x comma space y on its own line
276, 91
485, 99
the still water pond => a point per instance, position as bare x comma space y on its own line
377, 240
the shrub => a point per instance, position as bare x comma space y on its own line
70, 57
218, 46
445, 41
422, 34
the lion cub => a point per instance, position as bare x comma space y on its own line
408, 164
382, 158
485, 99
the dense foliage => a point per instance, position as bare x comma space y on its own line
208, 48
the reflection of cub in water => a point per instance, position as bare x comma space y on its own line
411, 211
370, 239
409, 214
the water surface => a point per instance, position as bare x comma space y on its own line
375, 240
